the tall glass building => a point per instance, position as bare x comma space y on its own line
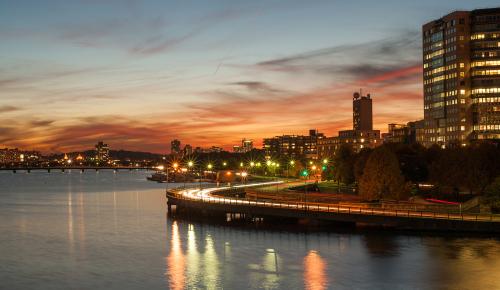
461, 61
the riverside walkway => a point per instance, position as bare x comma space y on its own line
218, 199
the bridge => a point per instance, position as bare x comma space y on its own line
223, 200
77, 168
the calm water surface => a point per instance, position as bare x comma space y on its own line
110, 230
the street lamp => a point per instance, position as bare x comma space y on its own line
291, 163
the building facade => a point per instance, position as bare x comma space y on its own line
461, 67
361, 136
102, 151
8, 156
362, 116
293, 146
409, 133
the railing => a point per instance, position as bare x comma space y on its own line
339, 209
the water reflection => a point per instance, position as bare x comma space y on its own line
176, 261
107, 231
315, 277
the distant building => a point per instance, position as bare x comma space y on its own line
410, 133
215, 149
8, 156
362, 116
461, 67
188, 150
102, 151
175, 146
293, 146
397, 133
246, 146
362, 135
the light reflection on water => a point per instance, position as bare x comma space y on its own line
110, 231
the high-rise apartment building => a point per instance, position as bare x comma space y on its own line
102, 151
361, 136
362, 112
461, 61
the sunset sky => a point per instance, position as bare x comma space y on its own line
138, 74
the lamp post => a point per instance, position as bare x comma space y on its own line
190, 165
292, 163
175, 165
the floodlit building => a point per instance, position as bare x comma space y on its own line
293, 146
461, 62
102, 151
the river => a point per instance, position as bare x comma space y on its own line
110, 230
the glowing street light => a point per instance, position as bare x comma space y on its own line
175, 165
325, 161
224, 163
313, 167
292, 162
190, 164
241, 164
268, 162
209, 166
252, 164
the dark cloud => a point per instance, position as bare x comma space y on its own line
357, 61
7, 109
41, 123
255, 86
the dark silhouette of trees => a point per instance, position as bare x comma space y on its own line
471, 168
382, 178
360, 163
343, 164
492, 195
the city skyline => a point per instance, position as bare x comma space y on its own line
139, 76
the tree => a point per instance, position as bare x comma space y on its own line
492, 195
360, 163
343, 164
382, 177
480, 169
